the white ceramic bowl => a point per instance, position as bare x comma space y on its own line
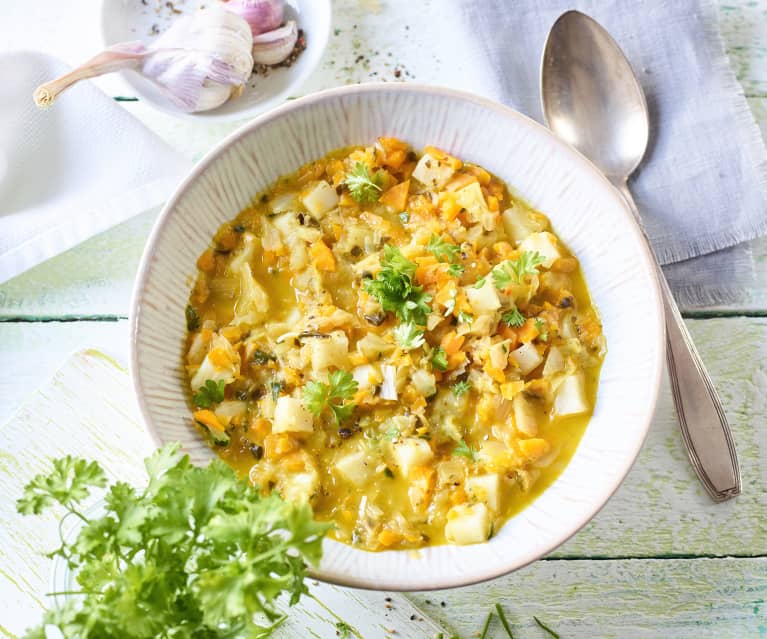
587, 213
125, 20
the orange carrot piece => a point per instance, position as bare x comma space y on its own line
323, 256
396, 196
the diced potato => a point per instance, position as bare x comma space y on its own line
224, 365
333, 351
527, 358
545, 244
451, 472
485, 299
525, 415
468, 524
320, 199
227, 411
373, 347
485, 489
499, 354
410, 453
432, 172
482, 325
366, 376
555, 362
519, 222
353, 467
424, 382
299, 487
290, 415
534, 449
571, 396
471, 198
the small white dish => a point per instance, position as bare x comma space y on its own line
586, 212
123, 21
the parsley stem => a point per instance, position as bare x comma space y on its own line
546, 628
487, 625
504, 622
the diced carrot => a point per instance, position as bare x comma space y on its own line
448, 207
443, 156
492, 203
457, 496
395, 159
346, 200
388, 537
456, 360
495, 373
294, 462
260, 427
482, 176
533, 449
292, 376
228, 239
278, 445
209, 419
460, 180
396, 196
269, 258
510, 389
446, 293
495, 188
219, 358
201, 291
508, 332
451, 343
207, 261
528, 332
392, 144
323, 256
565, 264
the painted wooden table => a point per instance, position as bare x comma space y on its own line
660, 560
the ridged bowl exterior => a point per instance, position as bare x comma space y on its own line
586, 212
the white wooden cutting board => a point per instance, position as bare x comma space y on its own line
88, 410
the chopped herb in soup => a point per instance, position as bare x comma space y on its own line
395, 339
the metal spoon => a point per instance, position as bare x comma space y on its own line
592, 100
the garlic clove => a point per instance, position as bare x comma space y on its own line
275, 46
261, 15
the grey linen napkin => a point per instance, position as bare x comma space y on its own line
702, 186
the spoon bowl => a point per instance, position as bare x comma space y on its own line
593, 100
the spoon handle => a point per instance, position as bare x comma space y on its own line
702, 419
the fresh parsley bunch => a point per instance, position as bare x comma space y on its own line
394, 289
197, 554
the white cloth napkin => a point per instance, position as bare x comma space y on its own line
701, 188
71, 171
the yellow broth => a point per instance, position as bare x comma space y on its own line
397, 340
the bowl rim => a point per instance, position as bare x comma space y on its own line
403, 583
321, 38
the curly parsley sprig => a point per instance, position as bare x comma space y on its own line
394, 289
197, 553
516, 271
335, 394
363, 186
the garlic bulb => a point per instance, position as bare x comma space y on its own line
199, 62
273, 47
261, 15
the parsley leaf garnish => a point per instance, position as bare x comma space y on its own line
442, 250
466, 318
543, 329
480, 281
210, 393
456, 270
192, 318
439, 359
394, 289
341, 386
461, 388
362, 186
197, 553
464, 450
513, 318
262, 357
408, 336
515, 271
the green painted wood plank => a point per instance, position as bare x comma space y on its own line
623, 599
660, 510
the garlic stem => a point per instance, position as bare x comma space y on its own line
105, 62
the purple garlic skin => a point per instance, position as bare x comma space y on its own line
261, 15
274, 46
